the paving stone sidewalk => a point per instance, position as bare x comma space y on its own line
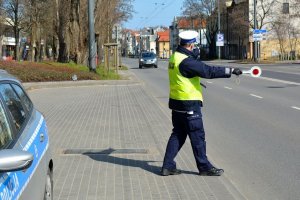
108, 140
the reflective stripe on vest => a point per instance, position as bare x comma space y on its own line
182, 88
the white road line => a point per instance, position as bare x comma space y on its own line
297, 108
229, 88
256, 96
209, 82
285, 72
277, 80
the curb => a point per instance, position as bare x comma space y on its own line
128, 78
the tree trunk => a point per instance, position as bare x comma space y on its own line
63, 56
33, 41
74, 31
16, 51
55, 24
70, 32
63, 37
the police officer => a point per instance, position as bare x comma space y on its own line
185, 101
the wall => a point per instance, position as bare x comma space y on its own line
270, 49
162, 53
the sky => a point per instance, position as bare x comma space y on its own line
149, 13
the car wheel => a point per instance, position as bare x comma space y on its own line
49, 186
140, 66
155, 66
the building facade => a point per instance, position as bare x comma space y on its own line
282, 40
7, 41
163, 44
129, 42
183, 23
135, 42
279, 19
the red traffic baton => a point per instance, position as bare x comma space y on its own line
255, 71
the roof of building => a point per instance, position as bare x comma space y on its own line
163, 36
190, 23
132, 32
4, 76
6, 21
229, 3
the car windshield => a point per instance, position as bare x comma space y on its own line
148, 55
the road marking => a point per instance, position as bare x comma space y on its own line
279, 71
297, 108
229, 88
256, 96
277, 80
209, 82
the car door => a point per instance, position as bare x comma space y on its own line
26, 126
8, 181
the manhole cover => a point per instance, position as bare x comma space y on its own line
105, 151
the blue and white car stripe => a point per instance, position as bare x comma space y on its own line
13, 184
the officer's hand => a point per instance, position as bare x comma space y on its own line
237, 71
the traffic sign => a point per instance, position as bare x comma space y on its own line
259, 31
220, 39
259, 34
257, 37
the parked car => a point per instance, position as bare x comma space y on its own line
26, 166
147, 59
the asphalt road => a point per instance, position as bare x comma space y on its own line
252, 128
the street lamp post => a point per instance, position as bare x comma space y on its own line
140, 42
92, 46
255, 26
219, 47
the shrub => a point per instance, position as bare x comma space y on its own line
51, 71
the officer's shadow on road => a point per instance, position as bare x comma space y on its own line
108, 157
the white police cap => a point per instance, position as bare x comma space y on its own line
187, 37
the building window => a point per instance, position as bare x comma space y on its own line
9, 34
285, 8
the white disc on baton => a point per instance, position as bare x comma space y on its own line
255, 71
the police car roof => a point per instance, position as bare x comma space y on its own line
4, 76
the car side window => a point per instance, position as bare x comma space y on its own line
13, 102
5, 133
24, 98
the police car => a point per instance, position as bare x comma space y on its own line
26, 165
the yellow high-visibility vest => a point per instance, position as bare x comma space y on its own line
182, 88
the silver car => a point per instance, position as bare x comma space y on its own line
26, 165
147, 59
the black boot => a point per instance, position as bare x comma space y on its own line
212, 172
167, 172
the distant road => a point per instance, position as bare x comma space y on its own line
287, 73
252, 128
284, 72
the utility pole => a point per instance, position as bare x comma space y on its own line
219, 47
92, 46
140, 42
117, 41
255, 27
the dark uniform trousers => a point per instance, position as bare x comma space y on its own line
192, 125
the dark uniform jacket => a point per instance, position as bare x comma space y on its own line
191, 67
